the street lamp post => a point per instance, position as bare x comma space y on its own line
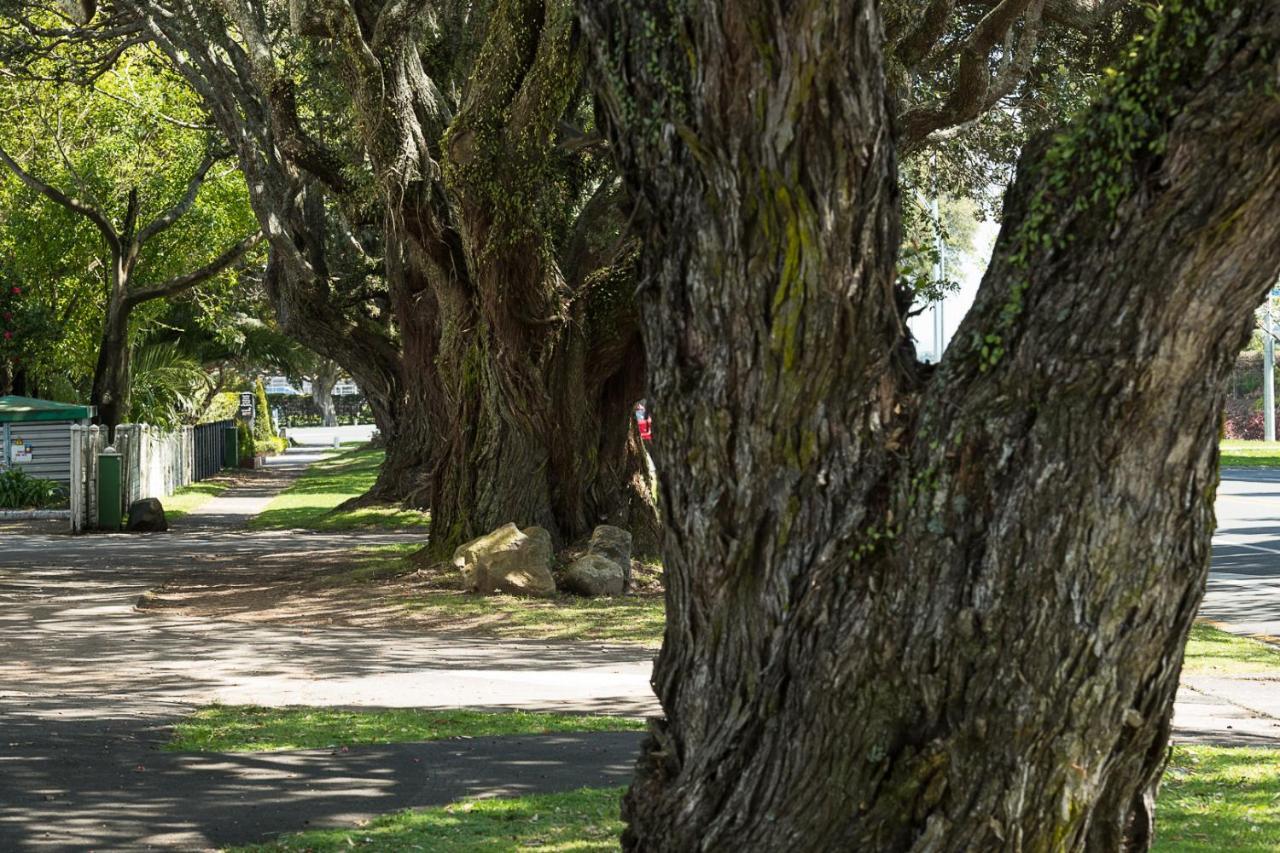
1268, 375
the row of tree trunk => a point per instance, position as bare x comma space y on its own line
909, 607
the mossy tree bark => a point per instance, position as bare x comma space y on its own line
915, 608
525, 354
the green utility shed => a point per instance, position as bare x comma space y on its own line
37, 436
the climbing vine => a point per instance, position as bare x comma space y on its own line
1102, 157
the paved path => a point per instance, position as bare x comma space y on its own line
235, 507
88, 683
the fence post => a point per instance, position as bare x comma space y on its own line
91, 475
77, 471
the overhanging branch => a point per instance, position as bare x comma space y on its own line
177, 285
173, 214
72, 204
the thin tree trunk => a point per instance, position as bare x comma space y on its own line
914, 608
111, 376
323, 381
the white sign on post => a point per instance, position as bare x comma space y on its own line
20, 452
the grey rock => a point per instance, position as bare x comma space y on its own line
147, 516
594, 575
611, 542
606, 567
508, 560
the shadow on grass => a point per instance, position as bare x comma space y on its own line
311, 501
1220, 798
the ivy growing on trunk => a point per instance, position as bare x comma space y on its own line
917, 607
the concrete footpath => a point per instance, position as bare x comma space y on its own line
1242, 596
88, 685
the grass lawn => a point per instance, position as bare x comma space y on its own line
1213, 799
1219, 798
638, 619
1249, 454
249, 728
190, 498
579, 821
1214, 652
310, 500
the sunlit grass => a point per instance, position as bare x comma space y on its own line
188, 499
1214, 652
1213, 799
1219, 798
639, 620
310, 500
250, 728
581, 821
1249, 454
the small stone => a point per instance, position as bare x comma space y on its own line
594, 575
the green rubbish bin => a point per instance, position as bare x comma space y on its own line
110, 498
230, 447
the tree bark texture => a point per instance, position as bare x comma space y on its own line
917, 608
523, 375
111, 375
323, 380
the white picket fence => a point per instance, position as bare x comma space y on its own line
154, 464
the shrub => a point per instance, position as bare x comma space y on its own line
263, 430
270, 447
1243, 420
224, 407
245, 440
19, 490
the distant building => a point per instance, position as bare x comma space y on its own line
282, 385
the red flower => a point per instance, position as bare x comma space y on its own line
8, 335
17, 289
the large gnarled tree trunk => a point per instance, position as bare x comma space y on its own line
914, 608
506, 388
524, 373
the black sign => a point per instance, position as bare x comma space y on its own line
246, 405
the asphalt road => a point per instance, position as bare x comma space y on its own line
1244, 586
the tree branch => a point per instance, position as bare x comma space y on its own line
173, 214
917, 44
57, 196
976, 90
1079, 15
177, 285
